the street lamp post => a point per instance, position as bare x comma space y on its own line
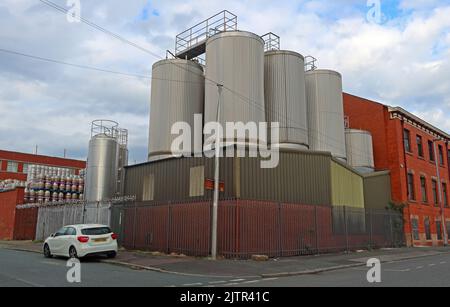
438, 174
215, 206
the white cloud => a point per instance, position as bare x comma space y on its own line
404, 61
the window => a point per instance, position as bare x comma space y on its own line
25, 168
423, 187
12, 167
445, 194
415, 229
411, 192
431, 150
407, 140
441, 155
197, 181
435, 191
427, 228
148, 188
420, 146
447, 225
439, 230
97, 231
70, 231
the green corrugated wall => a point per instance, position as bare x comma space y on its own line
347, 187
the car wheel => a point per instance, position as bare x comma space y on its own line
111, 255
73, 253
47, 252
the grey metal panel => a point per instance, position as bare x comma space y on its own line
102, 166
236, 60
377, 190
326, 112
359, 146
301, 177
172, 178
177, 94
285, 95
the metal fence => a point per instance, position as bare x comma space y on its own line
51, 218
246, 228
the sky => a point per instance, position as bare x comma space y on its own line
400, 59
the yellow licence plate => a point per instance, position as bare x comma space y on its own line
100, 240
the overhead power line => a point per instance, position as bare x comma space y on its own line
242, 97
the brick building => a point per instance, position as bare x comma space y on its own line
14, 165
409, 147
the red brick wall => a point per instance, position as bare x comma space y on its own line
8, 202
389, 153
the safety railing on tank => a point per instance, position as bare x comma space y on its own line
310, 63
271, 41
198, 34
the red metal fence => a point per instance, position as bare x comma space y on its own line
246, 228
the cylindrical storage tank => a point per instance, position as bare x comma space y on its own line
326, 122
101, 172
235, 60
360, 150
177, 94
285, 97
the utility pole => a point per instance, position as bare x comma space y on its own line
215, 207
438, 174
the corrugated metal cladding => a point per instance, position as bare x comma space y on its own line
326, 112
377, 190
301, 177
360, 150
177, 94
235, 59
347, 186
285, 95
171, 179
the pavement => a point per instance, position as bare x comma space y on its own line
240, 269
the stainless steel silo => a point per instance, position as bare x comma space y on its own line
360, 150
236, 60
285, 97
326, 122
177, 95
102, 165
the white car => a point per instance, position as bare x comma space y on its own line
78, 241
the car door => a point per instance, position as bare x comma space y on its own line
68, 240
57, 241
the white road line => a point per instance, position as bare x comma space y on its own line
193, 285
29, 283
251, 282
431, 264
419, 268
400, 271
232, 284
217, 282
237, 280
269, 279
443, 262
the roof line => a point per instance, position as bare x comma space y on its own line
41, 156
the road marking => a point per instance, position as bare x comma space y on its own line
251, 281
270, 279
29, 283
443, 262
232, 284
217, 282
432, 264
51, 263
419, 268
401, 271
193, 285
237, 280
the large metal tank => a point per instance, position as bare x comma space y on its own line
326, 122
285, 97
360, 150
177, 94
236, 60
102, 166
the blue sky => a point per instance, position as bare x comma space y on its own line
404, 60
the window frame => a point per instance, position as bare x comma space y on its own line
411, 187
431, 151
427, 227
424, 189
435, 188
407, 140
8, 169
420, 149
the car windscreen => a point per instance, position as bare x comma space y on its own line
97, 231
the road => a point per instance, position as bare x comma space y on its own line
25, 269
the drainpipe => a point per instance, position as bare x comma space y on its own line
441, 203
406, 178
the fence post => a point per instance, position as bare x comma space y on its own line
392, 230
134, 225
169, 225
371, 228
280, 235
316, 225
347, 247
